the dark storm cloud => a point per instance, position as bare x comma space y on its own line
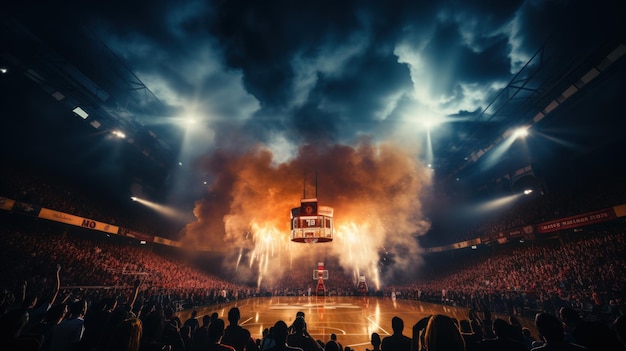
325, 67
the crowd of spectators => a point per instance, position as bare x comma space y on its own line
50, 277
586, 272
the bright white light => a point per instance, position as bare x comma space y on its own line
474, 247
3, 70
190, 121
528, 191
180, 163
520, 132
142, 242
118, 134
162, 209
80, 112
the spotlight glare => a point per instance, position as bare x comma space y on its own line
520, 132
528, 191
119, 134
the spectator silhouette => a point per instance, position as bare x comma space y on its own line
528, 339
237, 336
171, 333
551, 331
333, 337
280, 332
68, 334
375, 341
216, 333
301, 338
192, 322
396, 341
417, 341
443, 335
505, 338
126, 337
44, 328
200, 337
472, 340
593, 335
268, 341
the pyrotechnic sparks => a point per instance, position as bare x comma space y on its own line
375, 191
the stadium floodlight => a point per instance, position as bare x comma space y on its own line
80, 112
520, 132
119, 134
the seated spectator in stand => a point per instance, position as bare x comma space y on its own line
69, 333
472, 341
44, 328
216, 332
237, 336
96, 320
417, 341
528, 339
280, 332
153, 323
333, 337
126, 337
516, 330
37, 309
443, 335
299, 314
396, 341
192, 322
267, 342
375, 341
505, 338
301, 338
200, 337
171, 333
592, 335
551, 331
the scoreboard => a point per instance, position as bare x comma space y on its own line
311, 223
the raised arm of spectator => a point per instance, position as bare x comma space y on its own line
136, 285
57, 285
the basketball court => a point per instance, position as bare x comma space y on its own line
353, 319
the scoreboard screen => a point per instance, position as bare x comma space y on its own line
312, 222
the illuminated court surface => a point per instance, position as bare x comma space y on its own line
353, 319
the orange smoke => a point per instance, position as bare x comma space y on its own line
374, 190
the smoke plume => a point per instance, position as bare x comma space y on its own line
374, 190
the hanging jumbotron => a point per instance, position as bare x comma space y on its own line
311, 223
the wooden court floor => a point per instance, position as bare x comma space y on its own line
353, 319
